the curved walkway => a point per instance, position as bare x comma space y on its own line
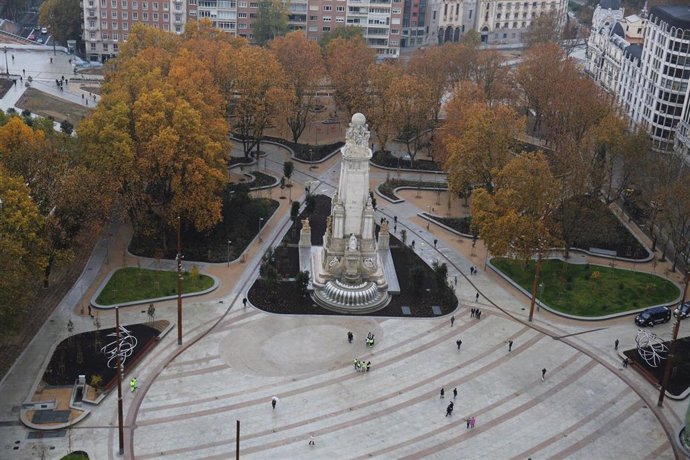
234, 360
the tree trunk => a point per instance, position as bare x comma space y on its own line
48, 269
535, 283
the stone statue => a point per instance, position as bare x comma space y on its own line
305, 224
353, 242
384, 226
357, 136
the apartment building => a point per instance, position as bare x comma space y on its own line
645, 63
107, 22
497, 21
654, 86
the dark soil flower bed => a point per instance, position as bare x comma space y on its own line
239, 160
593, 225
81, 354
260, 180
240, 225
680, 377
388, 187
318, 152
388, 160
459, 224
284, 298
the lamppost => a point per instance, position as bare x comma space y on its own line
229, 252
672, 351
7, 66
261, 220
120, 426
178, 258
311, 159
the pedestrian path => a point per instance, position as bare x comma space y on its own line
234, 359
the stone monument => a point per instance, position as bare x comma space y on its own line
347, 271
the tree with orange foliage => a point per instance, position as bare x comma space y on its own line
414, 103
515, 219
348, 63
304, 68
161, 135
262, 94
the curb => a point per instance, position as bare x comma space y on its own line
94, 304
574, 317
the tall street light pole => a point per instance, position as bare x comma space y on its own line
672, 351
179, 284
261, 220
120, 426
229, 252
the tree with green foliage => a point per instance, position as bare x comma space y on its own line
288, 169
67, 127
62, 18
271, 21
344, 32
302, 281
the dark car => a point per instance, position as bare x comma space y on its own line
652, 316
682, 311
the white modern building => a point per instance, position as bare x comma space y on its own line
645, 63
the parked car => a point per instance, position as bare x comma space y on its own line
44, 30
652, 316
31, 36
40, 40
683, 311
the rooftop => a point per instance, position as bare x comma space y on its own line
673, 15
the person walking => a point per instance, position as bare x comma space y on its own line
452, 320
311, 440
615, 345
435, 241
625, 362
449, 409
543, 374
473, 420
510, 345
472, 313
350, 336
468, 422
458, 343
133, 384
479, 314
455, 393
244, 302
274, 401
472, 270
442, 393
476, 297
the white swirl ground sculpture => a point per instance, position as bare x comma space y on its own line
127, 345
650, 347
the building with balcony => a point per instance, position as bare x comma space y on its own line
107, 22
497, 21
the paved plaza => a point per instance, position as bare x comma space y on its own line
234, 359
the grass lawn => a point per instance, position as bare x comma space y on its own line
79, 455
47, 105
131, 283
590, 290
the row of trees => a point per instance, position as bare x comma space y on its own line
51, 201
528, 203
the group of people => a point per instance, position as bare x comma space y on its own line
361, 366
61, 82
476, 313
370, 340
473, 270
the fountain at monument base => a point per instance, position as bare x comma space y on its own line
343, 297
